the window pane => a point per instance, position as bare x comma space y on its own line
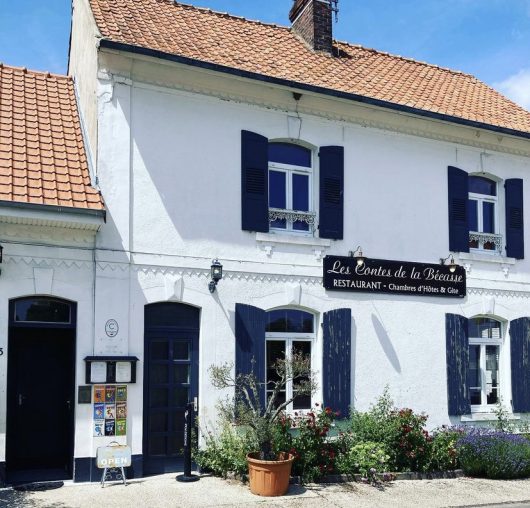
302, 401
278, 195
159, 397
275, 351
159, 350
158, 422
277, 189
300, 192
181, 373
158, 374
181, 350
492, 374
488, 217
474, 375
472, 215
180, 397
280, 398
286, 153
43, 310
481, 185
484, 328
289, 320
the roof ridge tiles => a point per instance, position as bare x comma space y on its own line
25, 70
226, 14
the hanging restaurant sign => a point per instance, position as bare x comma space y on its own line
342, 273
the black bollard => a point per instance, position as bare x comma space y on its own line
188, 422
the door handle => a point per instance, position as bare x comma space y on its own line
68, 405
195, 404
20, 399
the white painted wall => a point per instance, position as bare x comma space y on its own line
173, 160
48, 261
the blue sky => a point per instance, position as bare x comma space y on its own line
487, 38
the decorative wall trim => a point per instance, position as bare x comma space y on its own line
47, 262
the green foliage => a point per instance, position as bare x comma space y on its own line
367, 458
306, 437
226, 451
497, 455
245, 408
443, 454
401, 431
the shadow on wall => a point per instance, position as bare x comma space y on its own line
386, 343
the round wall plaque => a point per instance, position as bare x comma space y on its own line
111, 328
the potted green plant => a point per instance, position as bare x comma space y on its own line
269, 472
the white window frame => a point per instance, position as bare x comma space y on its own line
289, 338
479, 341
289, 170
480, 199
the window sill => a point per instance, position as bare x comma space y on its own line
486, 258
268, 240
486, 417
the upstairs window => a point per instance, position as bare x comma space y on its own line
291, 188
485, 340
483, 215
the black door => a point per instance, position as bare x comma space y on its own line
40, 400
170, 381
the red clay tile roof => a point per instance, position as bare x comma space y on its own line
275, 51
42, 155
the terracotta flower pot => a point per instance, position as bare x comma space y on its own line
269, 477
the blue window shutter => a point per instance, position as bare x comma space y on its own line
250, 343
458, 210
457, 353
336, 368
331, 202
514, 218
520, 358
254, 182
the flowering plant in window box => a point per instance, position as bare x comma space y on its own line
246, 409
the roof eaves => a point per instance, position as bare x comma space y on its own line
140, 50
93, 212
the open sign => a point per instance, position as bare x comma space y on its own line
113, 456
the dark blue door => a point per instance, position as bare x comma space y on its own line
171, 370
40, 389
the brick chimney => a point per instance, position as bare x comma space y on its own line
311, 20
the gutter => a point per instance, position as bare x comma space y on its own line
106, 43
54, 208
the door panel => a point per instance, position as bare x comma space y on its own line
40, 401
170, 382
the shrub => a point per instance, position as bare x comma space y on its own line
226, 452
314, 455
409, 441
401, 431
492, 454
368, 459
443, 454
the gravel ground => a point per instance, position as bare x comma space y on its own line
164, 491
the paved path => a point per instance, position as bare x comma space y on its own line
163, 491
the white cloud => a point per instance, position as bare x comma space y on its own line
517, 88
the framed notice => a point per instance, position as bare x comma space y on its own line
123, 372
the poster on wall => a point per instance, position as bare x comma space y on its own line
110, 410
99, 428
99, 393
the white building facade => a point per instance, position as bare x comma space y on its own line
197, 163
